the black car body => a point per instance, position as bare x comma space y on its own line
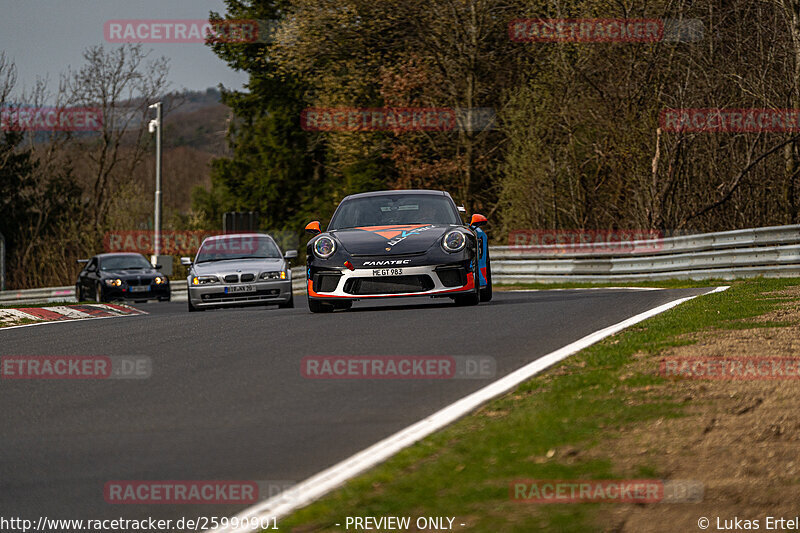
390, 244
120, 276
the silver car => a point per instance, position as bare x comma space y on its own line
237, 270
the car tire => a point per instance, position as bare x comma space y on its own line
193, 309
315, 306
98, 293
288, 304
486, 292
78, 293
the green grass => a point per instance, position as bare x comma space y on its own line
465, 469
44, 304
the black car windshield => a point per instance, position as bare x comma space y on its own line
124, 262
394, 209
238, 247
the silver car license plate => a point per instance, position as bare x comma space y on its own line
139, 288
387, 272
240, 288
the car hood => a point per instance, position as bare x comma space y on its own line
391, 240
129, 273
232, 265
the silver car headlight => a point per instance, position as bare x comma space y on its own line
324, 247
204, 280
454, 241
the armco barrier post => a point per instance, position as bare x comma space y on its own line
2, 262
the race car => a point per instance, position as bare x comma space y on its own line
121, 276
238, 270
390, 244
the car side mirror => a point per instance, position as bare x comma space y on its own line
313, 228
478, 221
290, 254
186, 261
157, 267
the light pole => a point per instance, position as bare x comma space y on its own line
155, 126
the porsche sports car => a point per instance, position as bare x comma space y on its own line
390, 244
239, 270
121, 276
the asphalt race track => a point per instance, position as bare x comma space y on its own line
226, 399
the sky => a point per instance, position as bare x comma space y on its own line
44, 37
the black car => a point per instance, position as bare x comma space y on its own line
390, 244
122, 276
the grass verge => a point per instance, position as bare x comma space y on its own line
465, 470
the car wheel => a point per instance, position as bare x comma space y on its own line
78, 293
486, 292
193, 309
98, 293
315, 306
287, 304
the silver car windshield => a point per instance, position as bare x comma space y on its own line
238, 247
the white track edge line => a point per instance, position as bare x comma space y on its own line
320, 484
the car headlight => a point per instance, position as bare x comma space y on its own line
160, 280
113, 282
324, 247
204, 280
454, 241
270, 275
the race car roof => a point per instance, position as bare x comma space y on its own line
397, 191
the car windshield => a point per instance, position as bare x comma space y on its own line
124, 262
238, 247
393, 209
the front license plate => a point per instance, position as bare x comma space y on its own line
139, 288
240, 288
387, 272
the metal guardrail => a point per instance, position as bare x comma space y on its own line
67, 293
769, 252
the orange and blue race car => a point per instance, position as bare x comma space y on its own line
390, 244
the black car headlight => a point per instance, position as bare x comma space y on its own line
204, 280
324, 247
113, 282
160, 280
454, 241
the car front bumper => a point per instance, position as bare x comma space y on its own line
350, 283
222, 295
153, 292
